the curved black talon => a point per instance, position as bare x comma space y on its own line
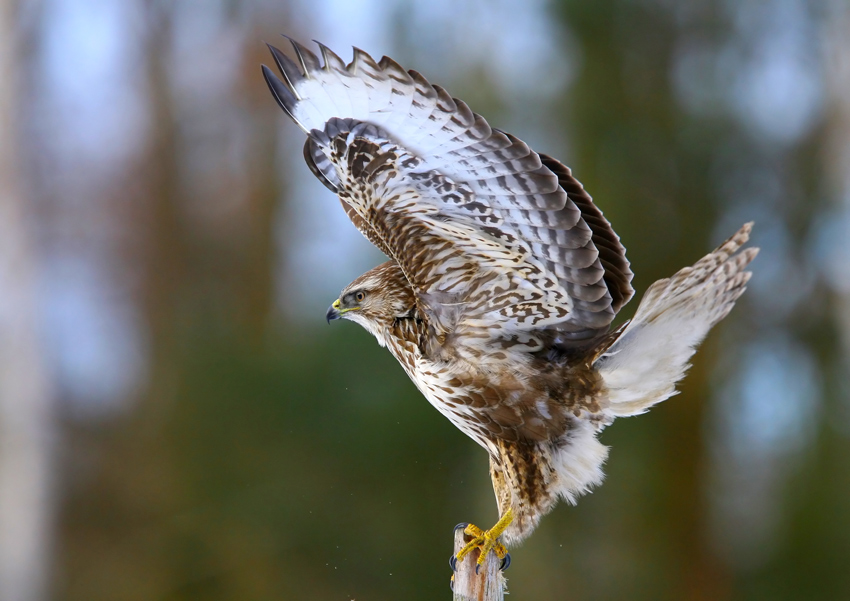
506, 562
477, 567
461, 526
453, 563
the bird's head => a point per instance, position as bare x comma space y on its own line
375, 299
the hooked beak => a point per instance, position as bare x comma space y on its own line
333, 311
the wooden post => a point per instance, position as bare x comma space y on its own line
487, 585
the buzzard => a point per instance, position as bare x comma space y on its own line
502, 282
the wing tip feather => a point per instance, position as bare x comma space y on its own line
309, 61
290, 71
283, 93
332, 60
363, 60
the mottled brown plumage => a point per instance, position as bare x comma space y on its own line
503, 276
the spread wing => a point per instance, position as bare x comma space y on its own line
490, 234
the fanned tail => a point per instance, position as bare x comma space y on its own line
643, 365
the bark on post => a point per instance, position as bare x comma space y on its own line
487, 585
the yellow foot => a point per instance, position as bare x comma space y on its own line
486, 541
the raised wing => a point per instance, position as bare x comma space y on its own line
485, 229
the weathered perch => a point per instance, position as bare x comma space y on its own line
487, 585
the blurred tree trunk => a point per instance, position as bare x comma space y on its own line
262, 194
25, 408
192, 285
838, 143
165, 252
628, 153
833, 486
136, 485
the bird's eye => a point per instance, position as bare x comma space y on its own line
359, 296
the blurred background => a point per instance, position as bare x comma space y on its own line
177, 421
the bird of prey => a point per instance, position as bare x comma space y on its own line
502, 281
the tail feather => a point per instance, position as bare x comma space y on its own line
643, 365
